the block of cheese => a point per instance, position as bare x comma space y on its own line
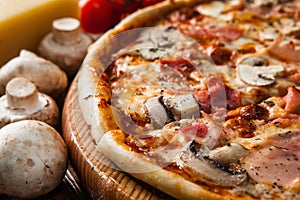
23, 23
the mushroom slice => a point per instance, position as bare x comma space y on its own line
254, 61
156, 111
226, 155
183, 106
205, 170
258, 75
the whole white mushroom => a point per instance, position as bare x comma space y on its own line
33, 159
47, 76
23, 101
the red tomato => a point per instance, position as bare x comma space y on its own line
127, 6
97, 16
150, 2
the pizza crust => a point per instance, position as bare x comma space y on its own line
112, 145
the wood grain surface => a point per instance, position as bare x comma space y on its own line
99, 176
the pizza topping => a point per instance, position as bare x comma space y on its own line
295, 78
183, 15
202, 169
181, 65
258, 75
228, 154
288, 51
291, 9
156, 111
254, 61
182, 106
268, 3
215, 8
219, 54
217, 97
195, 132
226, 33
206, 31
151, 53
292, 100
253, 111
276, 161
241, 119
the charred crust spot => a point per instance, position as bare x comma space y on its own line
102, 103
254, 111
245, 133
221, 55
138, 119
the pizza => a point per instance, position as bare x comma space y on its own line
200, 99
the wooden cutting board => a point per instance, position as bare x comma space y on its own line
100, 177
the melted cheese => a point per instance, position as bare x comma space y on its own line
216, 8
142, 81
212, 9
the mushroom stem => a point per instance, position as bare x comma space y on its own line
21, 93
66, 31
23, 101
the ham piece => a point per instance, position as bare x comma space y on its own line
276, 161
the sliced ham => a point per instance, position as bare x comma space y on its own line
276, 161
288, 52
218, 95
292, 99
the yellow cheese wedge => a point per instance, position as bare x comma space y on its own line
23, 23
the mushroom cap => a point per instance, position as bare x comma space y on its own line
33, 159
258, 75
47, 76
